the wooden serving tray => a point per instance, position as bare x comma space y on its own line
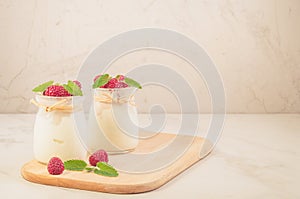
187, 149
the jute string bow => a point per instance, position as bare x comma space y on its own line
58, 106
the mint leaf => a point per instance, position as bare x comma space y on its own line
105, 173
132, 83
73, 88
75, 165
106, 170
42, 87
101, 81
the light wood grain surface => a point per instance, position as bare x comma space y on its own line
128, 181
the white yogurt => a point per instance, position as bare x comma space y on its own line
55, 132
113, 126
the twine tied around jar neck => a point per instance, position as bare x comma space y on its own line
55, 107
108, 99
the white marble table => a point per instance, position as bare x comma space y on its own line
258, 156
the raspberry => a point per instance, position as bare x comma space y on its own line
56, 91
121, 77
98, 156
121, 85
55, 166
112, 83
104, 86
78, 83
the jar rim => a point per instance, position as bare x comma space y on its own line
115, 89
54, 97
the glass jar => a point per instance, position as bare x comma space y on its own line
113, 121
55, 130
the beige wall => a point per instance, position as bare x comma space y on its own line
255, 45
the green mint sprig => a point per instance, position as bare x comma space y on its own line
75, 165
73, 88
106, 169
132, 83
102, 168
105, 173
41, 88
101, 81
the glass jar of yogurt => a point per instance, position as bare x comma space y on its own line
113, 121
55, 129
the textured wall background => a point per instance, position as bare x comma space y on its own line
255, 45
